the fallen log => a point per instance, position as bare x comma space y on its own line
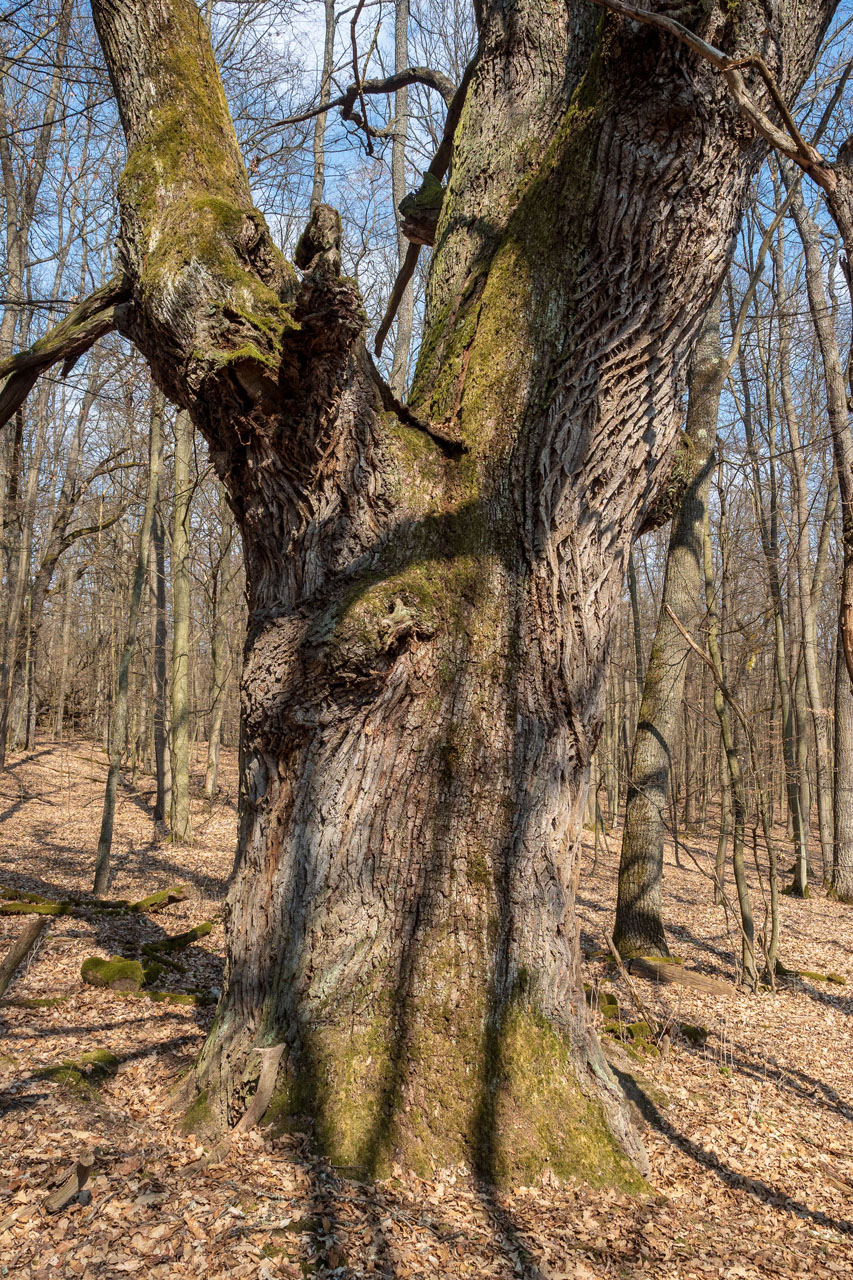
21, 948
17, 903
179, 941
656, 969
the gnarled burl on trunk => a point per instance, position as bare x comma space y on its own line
429, 609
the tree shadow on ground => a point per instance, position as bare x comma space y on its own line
799, 1082
13, 1097
827, 999
756, 1187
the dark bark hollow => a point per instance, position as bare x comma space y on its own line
429, 609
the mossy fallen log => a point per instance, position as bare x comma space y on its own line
783, 971
32, 1002
19, 904
117, 973
36, 908
83, 1073
178, 941
153, 972
160, 959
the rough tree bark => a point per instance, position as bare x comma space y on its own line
639, 927
429, 608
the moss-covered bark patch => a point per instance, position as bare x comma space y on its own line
508, 1103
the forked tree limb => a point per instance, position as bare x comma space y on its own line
90, 320
371, 88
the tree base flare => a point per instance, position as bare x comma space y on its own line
513, 1103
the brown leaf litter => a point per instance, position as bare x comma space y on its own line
749, 1133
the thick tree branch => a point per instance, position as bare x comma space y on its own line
370, 88
96, 315
438, 168
791, 144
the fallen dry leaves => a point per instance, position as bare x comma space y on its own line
749, 1136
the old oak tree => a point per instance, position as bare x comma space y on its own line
430, 587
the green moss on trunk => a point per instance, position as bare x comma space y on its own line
506, 1101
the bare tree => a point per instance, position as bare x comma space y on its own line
431, 590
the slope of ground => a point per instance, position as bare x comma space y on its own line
748, 1133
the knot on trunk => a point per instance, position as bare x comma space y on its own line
318, 249
421, 210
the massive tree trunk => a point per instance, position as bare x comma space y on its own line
639, 927
430, 605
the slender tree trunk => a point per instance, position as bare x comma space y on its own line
159, 680
725, 829
639, 928
220, 652
118, 732
319, 182
635, 622
738, 792
429, 610
801, 715
808, 616
64, 652
32, 706
180, 735
768, 523
836, 394
841, 884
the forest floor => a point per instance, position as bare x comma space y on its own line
749, 1134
